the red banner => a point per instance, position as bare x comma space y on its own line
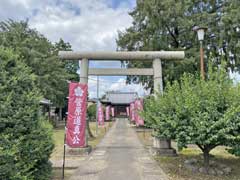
100, 116
139, 107
127, 110
112, 111
132, 113
76, 121
107, 113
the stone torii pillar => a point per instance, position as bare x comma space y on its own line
157, 76
84, 71
84, 80
156, 71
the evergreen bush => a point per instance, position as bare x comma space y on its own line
25, 138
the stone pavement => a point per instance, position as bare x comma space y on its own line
119, 156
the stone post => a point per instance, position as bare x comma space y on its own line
84, 71
84, 80
157, 71
161, 146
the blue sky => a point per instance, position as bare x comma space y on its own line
89, 25
117, 3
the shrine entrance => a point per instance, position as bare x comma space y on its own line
155, 57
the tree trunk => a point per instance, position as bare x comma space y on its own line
89, 130
206, 159
60, 114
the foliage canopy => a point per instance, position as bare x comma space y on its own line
168, 25
194, 111
40, 55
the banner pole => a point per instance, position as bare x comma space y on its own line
64, 149
97, 105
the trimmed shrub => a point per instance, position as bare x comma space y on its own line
25, 138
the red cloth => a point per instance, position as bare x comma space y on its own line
76, 121
100, 116
127, 110
112, 111
138, 107
132, 113
107, 113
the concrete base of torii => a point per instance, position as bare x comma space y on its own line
83, 151
162, 147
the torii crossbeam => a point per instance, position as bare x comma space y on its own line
154, 56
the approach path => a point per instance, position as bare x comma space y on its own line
119, 156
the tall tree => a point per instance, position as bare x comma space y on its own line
40, 55
168, 25
71, 66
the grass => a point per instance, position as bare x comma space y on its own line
58, 137
174, 166
57, 174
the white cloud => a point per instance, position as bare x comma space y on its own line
21, 9
86, 24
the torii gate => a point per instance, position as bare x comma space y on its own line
154, 56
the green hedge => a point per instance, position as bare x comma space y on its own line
25, 138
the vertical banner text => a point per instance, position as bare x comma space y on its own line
76, 121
